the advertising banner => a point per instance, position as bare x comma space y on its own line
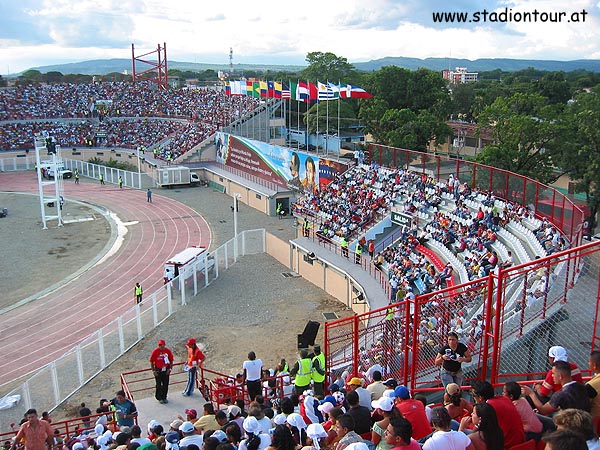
280, 165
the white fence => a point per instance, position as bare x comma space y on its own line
60, 379
110, 174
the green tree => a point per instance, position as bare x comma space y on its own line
390, 84
409, 108
54, 77
346, 114
463, 99
326, 66
31, 76
526, 132
554, 87
581, 159
413, 130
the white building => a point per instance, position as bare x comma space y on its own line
460, 75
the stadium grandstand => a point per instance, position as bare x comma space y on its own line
117, 115
425, 245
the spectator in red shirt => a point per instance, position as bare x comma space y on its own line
195, 359
508, 416
161, 363
414, 411
548, 387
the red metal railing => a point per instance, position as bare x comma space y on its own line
353, 342
217, 387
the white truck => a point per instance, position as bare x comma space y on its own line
176, 176
47, 168
191, 255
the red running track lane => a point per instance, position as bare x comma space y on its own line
50, 326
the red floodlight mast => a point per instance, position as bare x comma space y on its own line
158, 71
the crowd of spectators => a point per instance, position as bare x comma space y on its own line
200, 112
357, 412
68, 133
466, 220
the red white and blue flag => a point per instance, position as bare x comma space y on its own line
350, 91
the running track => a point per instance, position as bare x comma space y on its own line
35, 334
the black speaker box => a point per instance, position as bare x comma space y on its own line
310, 332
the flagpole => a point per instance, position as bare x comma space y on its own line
298, 115
317, 135
327, 125
338, 118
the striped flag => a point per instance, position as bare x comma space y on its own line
326, 92
277, 89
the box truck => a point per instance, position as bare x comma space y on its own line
176, 264
176, 176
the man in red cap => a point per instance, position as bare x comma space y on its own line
161, 363
195, 359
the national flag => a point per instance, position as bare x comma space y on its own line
277, 90
286, 92
227, 88
313, 92
264, 90
350, 91
249, 87
326, 92
237, 88
255, 89
335, 88
302, 92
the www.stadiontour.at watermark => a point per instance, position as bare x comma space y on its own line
508, 15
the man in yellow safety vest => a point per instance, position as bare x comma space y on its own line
318, 372
302, 370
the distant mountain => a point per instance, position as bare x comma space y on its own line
104, 66
479, 65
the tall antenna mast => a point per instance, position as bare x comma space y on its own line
230, 62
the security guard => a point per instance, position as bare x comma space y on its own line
344, 245
357, 253
306, 227
302, 370
318, 372
138, 293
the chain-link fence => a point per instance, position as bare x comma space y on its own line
507, 320
60, 379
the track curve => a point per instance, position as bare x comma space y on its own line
56, 322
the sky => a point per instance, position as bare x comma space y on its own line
35, 33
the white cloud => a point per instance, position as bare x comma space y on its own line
38, 32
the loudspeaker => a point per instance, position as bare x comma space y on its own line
310, 332
302, 342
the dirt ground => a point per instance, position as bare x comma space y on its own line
227, 328
40, 258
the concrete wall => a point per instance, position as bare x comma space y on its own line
330, 279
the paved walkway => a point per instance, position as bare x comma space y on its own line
52, 324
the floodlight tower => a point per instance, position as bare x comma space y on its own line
156, 71
51, 191
230, 63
